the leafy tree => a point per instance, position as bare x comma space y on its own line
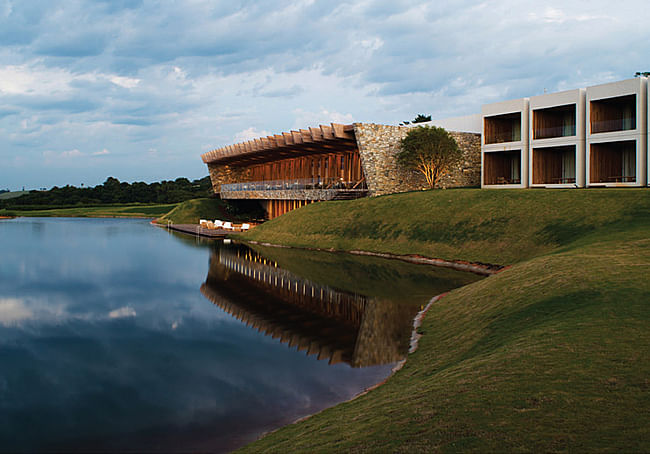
429, 150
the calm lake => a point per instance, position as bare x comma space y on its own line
119, 336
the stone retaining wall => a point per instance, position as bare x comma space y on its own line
378, 148
225, 174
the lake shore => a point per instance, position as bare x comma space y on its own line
503, 360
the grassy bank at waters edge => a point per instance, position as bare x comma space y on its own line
128, 210
191, 211
551, 354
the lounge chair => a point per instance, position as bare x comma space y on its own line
245, 227
228, 226
203, 222
218, 224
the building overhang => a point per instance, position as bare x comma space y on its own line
335, 138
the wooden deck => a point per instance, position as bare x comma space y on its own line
196, 230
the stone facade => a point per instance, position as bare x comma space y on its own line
467, 171
225, 174
379, 145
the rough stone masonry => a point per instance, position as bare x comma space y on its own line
379, 145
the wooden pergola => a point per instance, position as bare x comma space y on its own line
323, 139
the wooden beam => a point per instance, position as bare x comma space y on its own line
326, 132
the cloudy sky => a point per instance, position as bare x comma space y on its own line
139, 89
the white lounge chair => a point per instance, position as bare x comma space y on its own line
203, 222
218, 224
228, 226
245, 227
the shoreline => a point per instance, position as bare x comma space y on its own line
484, 269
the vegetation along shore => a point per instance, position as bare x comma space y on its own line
550, 354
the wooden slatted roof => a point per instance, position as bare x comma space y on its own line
324, 139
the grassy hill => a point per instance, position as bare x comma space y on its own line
122, 210
12, 194
551, 354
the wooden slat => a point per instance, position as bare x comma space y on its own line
326, 132
316, 134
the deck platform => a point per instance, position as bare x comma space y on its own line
197, 230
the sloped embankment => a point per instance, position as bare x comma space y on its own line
551, 354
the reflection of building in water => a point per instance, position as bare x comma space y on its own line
336, 325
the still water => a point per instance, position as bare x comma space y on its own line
119, 336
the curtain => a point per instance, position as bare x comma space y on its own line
629, 164
515, 169
568, 166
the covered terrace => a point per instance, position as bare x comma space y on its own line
285, 171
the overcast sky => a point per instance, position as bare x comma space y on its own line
139, 89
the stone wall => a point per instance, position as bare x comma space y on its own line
379, 145
467, 171
225, 174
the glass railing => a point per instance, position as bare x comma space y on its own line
503, 137
622, 124
556, 131
296, 184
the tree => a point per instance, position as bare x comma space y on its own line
429, 150
419, 119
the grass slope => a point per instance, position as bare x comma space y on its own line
128, 210
551, 354
494, 226
191, 211
12, 195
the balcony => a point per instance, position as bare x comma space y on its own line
613, 162
502, 168
296, 189
554, 165
503, 128
554, 122
613, 114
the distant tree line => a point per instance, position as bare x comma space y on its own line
112, 191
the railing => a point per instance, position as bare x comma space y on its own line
556, 131
622, 124
501, 137
296, 184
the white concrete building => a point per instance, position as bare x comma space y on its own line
504, 144
557, 140
617, 133
466, 123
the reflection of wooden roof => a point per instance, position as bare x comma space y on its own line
324, 139
335, 325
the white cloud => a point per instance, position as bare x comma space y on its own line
122, 312
249, 134
50, 155
304, 118
13, 311
103, 152
125, 82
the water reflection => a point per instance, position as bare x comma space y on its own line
333, 324
107, 344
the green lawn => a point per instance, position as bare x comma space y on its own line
551, 354
129, 210
12, 194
